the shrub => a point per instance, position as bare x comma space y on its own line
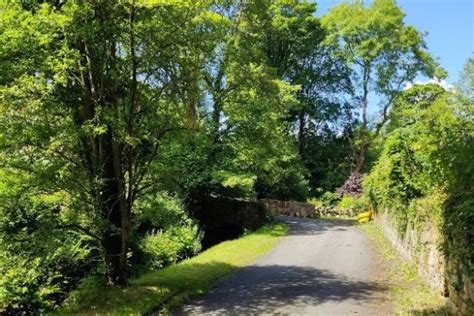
359, 204
39, 263
315, 202
165, 247
188, 238
159, 212
89, 290
330, 198
165, 234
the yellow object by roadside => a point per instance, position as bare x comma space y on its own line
364, 220
364, 217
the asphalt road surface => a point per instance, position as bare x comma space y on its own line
322, 267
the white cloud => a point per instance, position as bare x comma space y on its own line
441, 82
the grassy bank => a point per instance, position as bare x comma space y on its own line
406, 290
160, 290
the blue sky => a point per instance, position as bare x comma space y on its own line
450, 27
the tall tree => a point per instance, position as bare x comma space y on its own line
245, 148
293, 45
384, 54
89, 89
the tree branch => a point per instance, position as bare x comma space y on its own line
77, 227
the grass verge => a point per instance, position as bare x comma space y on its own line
406, 290
163, 289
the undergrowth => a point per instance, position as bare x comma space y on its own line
157, 292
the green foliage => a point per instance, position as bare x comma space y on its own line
115, 113
330, 198
103, 104
40, 262
88, 290
377, 36
243, 147
326, 156
235, 184
359, 204
425, 170
315, 202
181, 281
166, 247
88, 91
465, 85
164, 233
384, 55
160, 211
457, 226
293, 45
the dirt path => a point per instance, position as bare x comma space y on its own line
322, 267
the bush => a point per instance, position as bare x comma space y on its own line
330, 198
43, 257
315, 202
165, 247
39, 262
89, 290
165, 233
159, 212
359, 204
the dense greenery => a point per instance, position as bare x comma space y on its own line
117, 116
425, 172
384, 55
160, 290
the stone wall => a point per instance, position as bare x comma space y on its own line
213, 212
421, 245
336, 212
460, 288
302, 209
289, 208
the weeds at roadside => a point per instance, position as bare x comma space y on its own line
407, 291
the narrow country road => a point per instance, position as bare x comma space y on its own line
322, 267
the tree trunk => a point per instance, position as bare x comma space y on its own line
301, 126
363, 130
104, 155
361, 158
116, 214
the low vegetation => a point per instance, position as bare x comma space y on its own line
160, 290
407, 291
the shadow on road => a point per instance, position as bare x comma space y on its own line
307, 226
263, 289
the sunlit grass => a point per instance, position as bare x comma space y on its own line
160, 290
